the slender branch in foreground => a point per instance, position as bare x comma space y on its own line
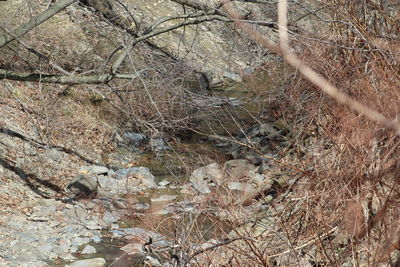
223, 243
303, 68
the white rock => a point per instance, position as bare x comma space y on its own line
96, 262
94, 170
164, 183
163, 198
88, 250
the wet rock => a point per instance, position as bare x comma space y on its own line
203, 176
83, 186
88, 250
96, 262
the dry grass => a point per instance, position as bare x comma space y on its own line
354, 182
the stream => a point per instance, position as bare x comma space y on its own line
171, 168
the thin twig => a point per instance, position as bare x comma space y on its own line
304, 69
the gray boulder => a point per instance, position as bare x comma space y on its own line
203, 176
238, 174
130, 180
83, 186
134, 139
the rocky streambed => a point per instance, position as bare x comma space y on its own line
142, 208
104, 217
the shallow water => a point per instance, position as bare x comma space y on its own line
175, 166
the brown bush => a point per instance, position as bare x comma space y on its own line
355, 183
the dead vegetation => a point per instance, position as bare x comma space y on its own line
343, 209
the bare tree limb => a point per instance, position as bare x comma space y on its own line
179, 25
35, 21
194, 4
122, 57
67, 79
304, 69
192, 19
48, 78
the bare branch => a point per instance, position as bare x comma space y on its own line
185, 23
35, 21
122, 57
194, 4
304, 69
48, 78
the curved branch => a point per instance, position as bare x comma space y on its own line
311, 75
185, 23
